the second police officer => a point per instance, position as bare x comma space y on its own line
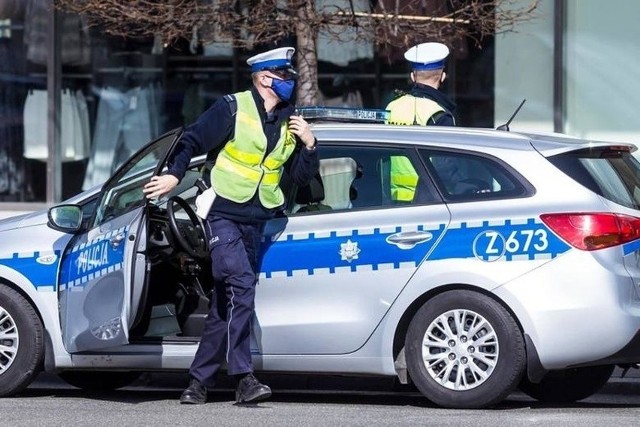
424, 104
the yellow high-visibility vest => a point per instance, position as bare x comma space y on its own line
403, 179
241, 168
409, 110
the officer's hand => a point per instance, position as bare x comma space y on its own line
159, 186
302, 130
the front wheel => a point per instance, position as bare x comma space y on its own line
568, 385
21, 342
464, 350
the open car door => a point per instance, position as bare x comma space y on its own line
102, 273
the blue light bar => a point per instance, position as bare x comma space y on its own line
343, 114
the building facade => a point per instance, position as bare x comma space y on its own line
77, 102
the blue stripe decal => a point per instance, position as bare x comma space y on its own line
88, 261
529, 240
39, 268
630, 247
488, 241
333, 251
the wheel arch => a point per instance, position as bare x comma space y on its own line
403, 325
24, 293
48, 363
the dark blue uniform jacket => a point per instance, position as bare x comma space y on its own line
442, 119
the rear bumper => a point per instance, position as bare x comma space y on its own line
576, 312
627, 354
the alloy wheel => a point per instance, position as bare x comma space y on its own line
460, 349
8, 340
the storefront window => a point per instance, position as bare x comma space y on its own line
524, 70
602, 92
117, 94
135, 90
17, 78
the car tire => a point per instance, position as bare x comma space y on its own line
21, 340
568, 385
487, 344
99, 380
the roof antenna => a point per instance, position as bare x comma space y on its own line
506, 125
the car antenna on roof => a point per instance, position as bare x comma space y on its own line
506, 125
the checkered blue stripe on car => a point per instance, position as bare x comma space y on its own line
40, 268
506, 240
315, 253
91, 260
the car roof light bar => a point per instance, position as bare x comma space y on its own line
343, 114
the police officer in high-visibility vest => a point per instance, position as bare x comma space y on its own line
257, 136
424, 104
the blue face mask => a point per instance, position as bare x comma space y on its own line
283, 88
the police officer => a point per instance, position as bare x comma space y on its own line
256, 136
424, 104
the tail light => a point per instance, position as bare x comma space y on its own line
593, 231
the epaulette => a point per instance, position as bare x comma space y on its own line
398, 93
233, 104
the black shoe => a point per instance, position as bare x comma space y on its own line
251, 390
196, 393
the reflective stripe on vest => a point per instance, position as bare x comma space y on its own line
404, 110
403, 179
241, 167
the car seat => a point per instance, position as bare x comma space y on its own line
337, 176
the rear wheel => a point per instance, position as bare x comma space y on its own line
464, 350
99, 380
21, 342
568, 385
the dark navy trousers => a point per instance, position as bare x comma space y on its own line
234, 257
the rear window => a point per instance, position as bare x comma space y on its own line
466, 177
611, 172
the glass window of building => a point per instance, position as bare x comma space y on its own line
115, 94
18, 78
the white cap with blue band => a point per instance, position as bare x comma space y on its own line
273, 60
427, 56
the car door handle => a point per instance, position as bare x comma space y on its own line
409, 239
116, 240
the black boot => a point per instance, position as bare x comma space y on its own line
251, 390
196, 393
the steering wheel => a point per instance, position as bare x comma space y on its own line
189, 235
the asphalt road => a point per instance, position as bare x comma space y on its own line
153, 402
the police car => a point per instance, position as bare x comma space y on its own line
468, 262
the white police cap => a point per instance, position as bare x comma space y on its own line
427, 56
273, 60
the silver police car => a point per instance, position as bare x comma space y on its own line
468, 262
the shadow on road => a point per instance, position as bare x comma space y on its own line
139, 395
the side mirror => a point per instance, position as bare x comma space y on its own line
65, 218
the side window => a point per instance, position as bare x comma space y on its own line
362, 177
123, 193
467, 177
